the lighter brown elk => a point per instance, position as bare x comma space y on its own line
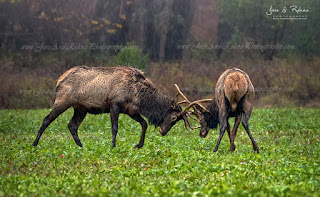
233, 97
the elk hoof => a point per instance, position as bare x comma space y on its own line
35, 143
232, 148
78, 143
138, 146
256, 149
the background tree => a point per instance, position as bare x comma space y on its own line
250, 18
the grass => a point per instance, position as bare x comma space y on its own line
180, 164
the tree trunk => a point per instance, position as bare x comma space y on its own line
164, 27
162, 47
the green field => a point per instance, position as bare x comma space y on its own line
179, 164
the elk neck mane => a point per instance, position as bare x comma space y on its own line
154, 105
212, 116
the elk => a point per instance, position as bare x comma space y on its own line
234, 96
113, 90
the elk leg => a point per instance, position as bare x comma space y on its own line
234, 132
229, 134
74, 124
144, 125
228, 130
223, 126
57, 109
246, 127
114, 115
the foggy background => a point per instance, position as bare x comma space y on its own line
187, 42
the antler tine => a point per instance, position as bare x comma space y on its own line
186, 101
181, 94
198, 102
188, 125
182, 102
191, 104
202, 106
189, 114
204, 100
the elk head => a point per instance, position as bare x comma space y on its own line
176, 114
207, 117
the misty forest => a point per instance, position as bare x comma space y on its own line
174, 41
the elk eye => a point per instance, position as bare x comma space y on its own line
173, 118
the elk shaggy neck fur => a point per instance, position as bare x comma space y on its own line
212, 117
154, 105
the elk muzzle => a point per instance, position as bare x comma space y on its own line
204, 132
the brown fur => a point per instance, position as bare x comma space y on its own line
234, 97
235, 87
98, 88
111, 90
63, 76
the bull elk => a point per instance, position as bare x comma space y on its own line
234, 96
112, 90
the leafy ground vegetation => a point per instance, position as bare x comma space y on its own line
179, 164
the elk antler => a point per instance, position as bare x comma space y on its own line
186, 100
196, 112
198, 102
185, 113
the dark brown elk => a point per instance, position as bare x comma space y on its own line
234, 97
112, 90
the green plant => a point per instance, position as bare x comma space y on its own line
130, 55
180, 164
